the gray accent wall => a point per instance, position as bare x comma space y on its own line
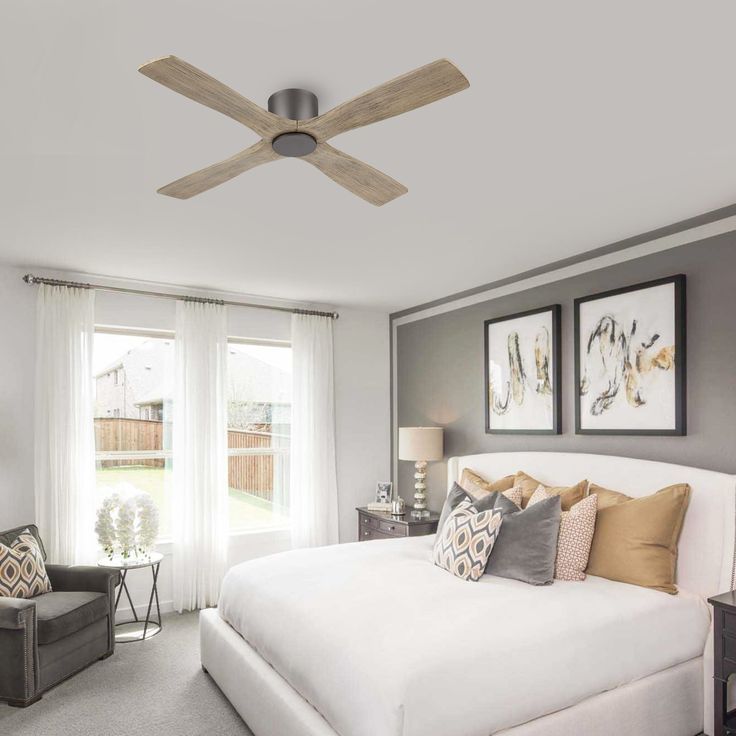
440, 367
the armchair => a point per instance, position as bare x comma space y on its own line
45, 639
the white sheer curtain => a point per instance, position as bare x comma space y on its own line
64, 432
313, 469
199, 519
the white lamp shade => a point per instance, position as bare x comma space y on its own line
420, 443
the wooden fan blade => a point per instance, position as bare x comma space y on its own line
204, 179
189, 81
359, 178
424, 85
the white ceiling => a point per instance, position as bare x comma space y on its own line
584, 123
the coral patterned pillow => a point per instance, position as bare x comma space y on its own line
577, 527
514, 494
22, 572
466, 540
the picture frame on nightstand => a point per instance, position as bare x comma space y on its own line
384, 491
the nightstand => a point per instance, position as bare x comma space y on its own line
380, 525
724, 660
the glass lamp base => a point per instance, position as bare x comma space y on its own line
419, 513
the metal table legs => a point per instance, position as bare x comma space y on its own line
139, 629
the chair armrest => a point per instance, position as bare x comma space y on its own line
19, 669
83, 578
15, 612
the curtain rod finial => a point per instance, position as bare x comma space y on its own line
335, 315
29, 278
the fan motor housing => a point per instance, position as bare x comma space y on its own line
293, 144
294, 104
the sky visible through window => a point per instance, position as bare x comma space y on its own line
278, 357
110, 348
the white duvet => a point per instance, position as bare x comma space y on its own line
383, 643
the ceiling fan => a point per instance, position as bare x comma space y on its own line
292, 126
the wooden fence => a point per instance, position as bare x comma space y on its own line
250, 473
129, 435
253, 474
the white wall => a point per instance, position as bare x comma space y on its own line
361, 384
362, 411
17, 350
361, 402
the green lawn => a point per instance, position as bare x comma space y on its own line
246, 511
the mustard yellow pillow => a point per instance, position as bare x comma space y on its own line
569, 496
606, 497
635, 539
476, 485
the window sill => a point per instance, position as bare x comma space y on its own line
261, 530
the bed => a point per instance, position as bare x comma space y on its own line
370, 639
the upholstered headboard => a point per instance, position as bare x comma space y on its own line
706, 551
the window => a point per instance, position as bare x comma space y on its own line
134, 376
259, 433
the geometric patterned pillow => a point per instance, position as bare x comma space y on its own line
466, 540
22, 572
577, 527
514, 494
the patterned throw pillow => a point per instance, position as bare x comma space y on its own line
481, 502
569, 496
22, 572
577, 527
466, 541
514, 494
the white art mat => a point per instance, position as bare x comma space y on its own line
521, 402
653, 311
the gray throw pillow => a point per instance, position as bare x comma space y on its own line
526, 547
454, 497
503, 504
458, 493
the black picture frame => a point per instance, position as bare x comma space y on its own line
680, 364
556, 352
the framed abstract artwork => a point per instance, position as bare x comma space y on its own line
522, 372
630, 360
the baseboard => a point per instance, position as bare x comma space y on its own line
127, 612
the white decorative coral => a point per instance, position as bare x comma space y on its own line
127, 524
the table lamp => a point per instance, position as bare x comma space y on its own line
420, 444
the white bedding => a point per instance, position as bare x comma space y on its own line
383, 643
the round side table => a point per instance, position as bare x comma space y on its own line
138, 629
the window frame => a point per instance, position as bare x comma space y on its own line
135, 454
273, 451
165, 541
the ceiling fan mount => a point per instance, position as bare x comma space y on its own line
293, 127
294, 104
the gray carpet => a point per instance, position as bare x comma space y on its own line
155, 688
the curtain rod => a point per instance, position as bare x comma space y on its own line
31, 279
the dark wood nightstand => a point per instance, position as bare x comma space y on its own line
724, 660
380, 525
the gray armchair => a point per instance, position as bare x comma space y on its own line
44, 640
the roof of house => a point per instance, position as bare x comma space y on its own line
113, 366
251, 379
